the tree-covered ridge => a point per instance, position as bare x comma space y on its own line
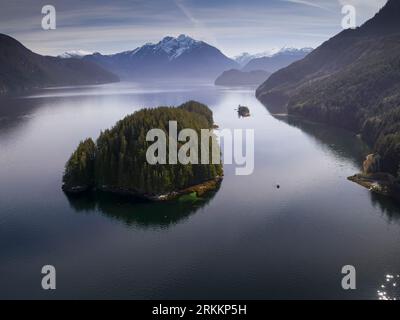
79, 170
117, 162
21, 69
363, 97
351, 81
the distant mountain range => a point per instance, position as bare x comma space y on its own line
21, 69
170, 58
245, 57
181, 57
233, 77
277, 61
75, 54
257, 68
352, 81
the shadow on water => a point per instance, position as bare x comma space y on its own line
342, 143
389, 207
348, 146
141, 214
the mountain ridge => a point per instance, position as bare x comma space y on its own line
180, 57
243, 58
278, 60
21, 69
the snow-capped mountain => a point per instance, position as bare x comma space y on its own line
245, 57
293, 51
175, 47
279, 60
181, 57
75, 54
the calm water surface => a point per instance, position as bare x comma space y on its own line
247, 240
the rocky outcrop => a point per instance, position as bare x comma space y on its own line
244, 111
372, 164
376, 181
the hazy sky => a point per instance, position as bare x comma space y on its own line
233, 26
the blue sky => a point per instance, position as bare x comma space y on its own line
234, 26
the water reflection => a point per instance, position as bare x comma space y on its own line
342, 143
389, 207
141, 214
125, 97
390, 288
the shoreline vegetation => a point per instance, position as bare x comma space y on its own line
198, 190
117, 162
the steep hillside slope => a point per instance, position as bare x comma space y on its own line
21, 69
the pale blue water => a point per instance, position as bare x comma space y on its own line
248, 240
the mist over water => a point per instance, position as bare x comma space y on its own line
246, 240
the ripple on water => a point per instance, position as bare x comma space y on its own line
390, 289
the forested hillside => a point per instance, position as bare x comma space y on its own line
352, 81
22, 69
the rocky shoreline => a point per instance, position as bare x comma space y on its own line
381, 183
376, 181
199, 189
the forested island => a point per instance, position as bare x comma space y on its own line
117, 162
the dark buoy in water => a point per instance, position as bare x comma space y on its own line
278, 186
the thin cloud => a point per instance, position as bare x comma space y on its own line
196, 23
233, 27
307, 3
